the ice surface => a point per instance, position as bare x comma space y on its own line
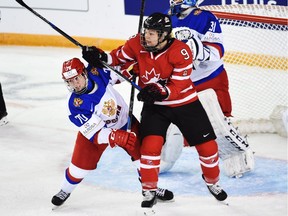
36, 145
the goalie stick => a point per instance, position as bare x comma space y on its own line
75, 42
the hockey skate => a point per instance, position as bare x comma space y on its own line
3, 119
60, 198
164, 195
216, 191
149, 199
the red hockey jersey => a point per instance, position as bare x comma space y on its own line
172, 66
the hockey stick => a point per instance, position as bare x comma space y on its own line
75, 42
132, 93
141, 15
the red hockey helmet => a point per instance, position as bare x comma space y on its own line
72, 68
70, 74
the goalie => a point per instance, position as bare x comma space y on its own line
201, 30
234, 150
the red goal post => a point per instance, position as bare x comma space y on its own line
256, 60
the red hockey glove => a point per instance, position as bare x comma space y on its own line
153, 92
129, 69
123, 139
94, 56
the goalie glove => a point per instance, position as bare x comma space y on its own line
94, 56
153, 92
200, 52
123, 139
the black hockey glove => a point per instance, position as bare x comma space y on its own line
94, 56
152, 92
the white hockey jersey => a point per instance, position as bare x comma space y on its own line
102, 107
204, 25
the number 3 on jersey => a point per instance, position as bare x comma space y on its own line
213, 26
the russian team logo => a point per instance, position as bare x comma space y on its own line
77, 102
109, 108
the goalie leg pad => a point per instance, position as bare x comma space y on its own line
172, 148
230, 142
238, 164
228, 138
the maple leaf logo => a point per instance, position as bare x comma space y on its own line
150, 77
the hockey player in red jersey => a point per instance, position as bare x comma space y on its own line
169, 96
100, 114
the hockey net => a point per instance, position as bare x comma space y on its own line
256, 60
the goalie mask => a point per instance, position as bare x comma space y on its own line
75, 76
177, 6
156, 24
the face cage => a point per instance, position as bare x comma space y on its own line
152, 48
177, 7
82, 91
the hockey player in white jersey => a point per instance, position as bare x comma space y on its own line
100, 114
201, 30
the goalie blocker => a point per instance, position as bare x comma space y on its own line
234, 150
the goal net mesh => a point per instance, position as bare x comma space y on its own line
256, 57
